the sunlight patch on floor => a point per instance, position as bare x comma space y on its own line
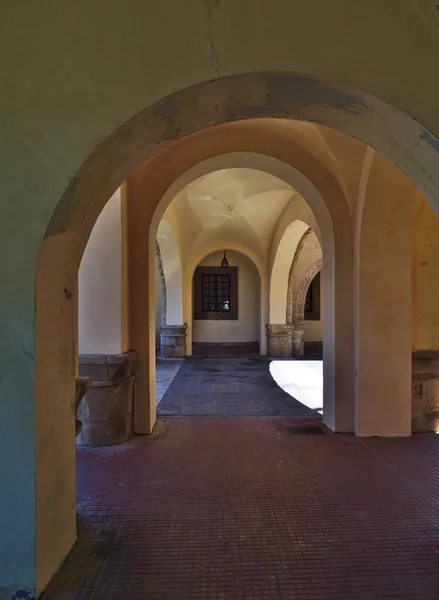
303, 380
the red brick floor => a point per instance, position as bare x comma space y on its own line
240, 509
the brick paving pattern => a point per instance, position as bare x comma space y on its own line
228, 387
240, 509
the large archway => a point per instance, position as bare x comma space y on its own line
352, 112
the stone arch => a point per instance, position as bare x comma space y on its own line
299, 312
277, 95
238, 97
308, 253
336, 282
290, 293
198, 257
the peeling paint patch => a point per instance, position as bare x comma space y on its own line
168, 113
431, 141
29, 355
214, 59
308, 91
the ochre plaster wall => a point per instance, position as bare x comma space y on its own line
383, 294
425, 278
246, 328
100, 291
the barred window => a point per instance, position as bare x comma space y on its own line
216, 293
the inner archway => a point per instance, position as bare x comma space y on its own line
236, 330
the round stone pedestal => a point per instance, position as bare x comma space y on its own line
173, 341
106, 410
280, 340
297, 342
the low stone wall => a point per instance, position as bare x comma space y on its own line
173, 341
425, 391
107, 408
280, 340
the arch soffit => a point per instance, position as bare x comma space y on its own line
169, 250
268, 164
278, 95
296, 210
197, 257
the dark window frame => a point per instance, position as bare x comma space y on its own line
199, 314
314, 294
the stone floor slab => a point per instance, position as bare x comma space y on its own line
230, 387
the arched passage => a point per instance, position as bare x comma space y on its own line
350, 111
338, 370
198, 257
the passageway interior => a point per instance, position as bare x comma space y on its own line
231, 304
250, 490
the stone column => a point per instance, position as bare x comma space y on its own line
280, 340
173, 341
425, 390
297, 342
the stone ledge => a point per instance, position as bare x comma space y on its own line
107, 409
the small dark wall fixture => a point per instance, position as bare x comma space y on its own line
312, 301
216, 293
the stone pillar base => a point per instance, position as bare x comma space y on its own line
297, 343
82, 386
280, 340
173, 341
106, 411
425, 391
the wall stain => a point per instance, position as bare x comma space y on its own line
309, 91
431, 140
68, 293
210, 43
29, 355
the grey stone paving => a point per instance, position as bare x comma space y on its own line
228, 387
166, 370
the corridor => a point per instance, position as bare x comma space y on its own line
242, 509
